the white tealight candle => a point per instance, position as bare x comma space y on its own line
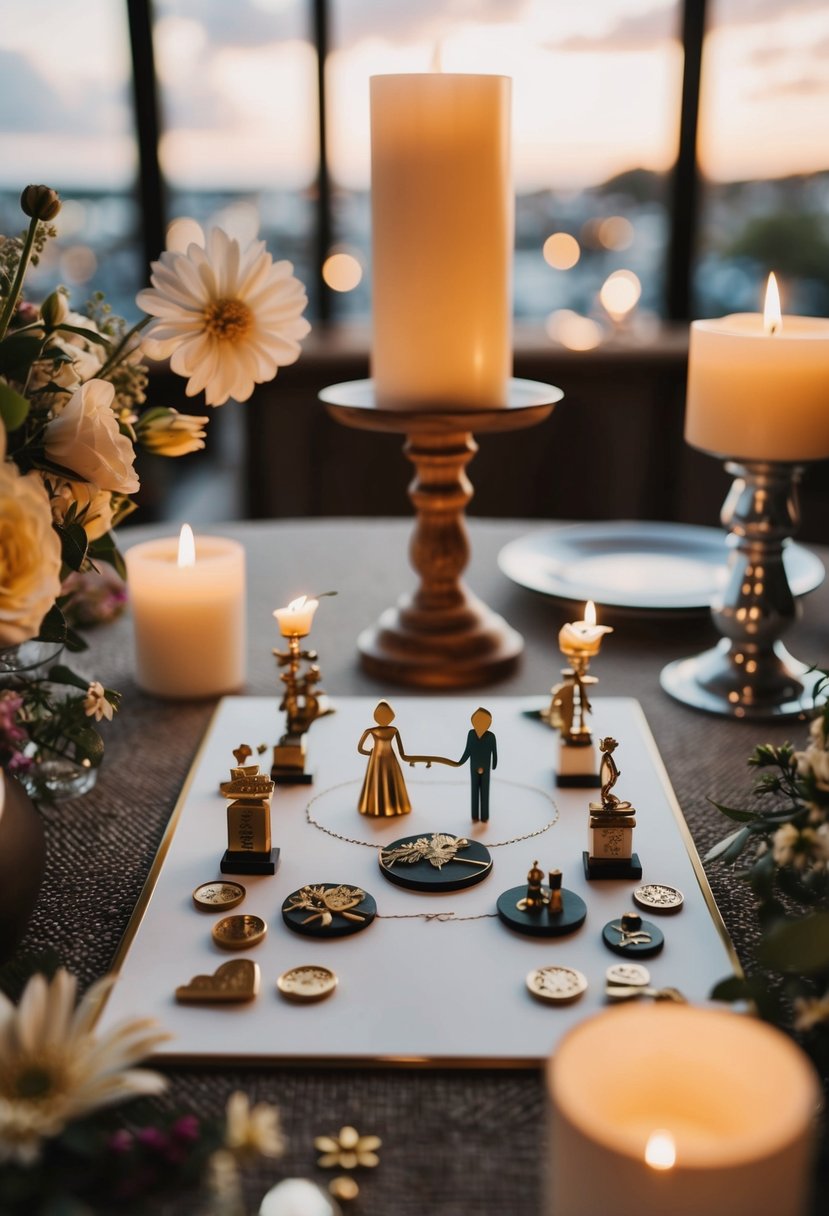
442, 237
295, 620
188, 606
758, 387
671, 1108
583, 637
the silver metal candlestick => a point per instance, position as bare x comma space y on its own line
749, 673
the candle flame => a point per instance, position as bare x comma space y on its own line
772, 315
186, 547
660, 1151
590, 613
298, 604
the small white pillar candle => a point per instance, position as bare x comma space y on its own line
758, 386
442, 239
295, 620
583, 637
671, 1108
189, 615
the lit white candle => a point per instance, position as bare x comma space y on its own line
758, 387
677, 1109
442, 238
295, 620
583, 637
188, 606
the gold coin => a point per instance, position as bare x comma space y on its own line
561, 985
307, 983
218, 896
239, 932
657, 897
628, 975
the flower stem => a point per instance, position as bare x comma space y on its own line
121, 349
22, 265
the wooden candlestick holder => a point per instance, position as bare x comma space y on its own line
440, 636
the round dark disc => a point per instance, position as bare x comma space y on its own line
329, 909
612, 938
435, 862
542, 923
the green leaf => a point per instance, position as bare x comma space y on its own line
17, 353
75, 642
729, 850
60, 674
53, 626
761, 876
89, 334
797, 946
14, 408
738, 815
73, 544
735, 988
105, 549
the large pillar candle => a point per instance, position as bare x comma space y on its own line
758, 387
442, 239
189, 616
674, 1109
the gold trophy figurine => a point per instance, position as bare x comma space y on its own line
248, 794
302, 701
579, 642
611, 826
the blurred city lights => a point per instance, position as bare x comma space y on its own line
342, 271
561, 251
573, 330
620, 293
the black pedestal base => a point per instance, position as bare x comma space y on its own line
579, 781
249, 863
291, 776
541, 922
605, 867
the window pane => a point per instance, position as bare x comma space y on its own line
67, 120
239, 118
763, 149
596, 92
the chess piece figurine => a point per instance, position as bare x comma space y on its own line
535, 898
249, 794
481, 752
611, 826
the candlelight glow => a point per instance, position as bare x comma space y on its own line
186, 547
342, 271
590, 612
620, 293
772, 316
572, 330
660, 1151
298, 604
561, 251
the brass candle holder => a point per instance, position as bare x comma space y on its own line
749, 673
579, 642
441, 636
302, 701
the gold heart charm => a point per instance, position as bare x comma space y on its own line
237, 980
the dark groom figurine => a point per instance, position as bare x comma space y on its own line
482, 754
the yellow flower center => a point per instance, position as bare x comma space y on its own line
34, 1081
227, 319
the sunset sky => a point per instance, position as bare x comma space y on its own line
596, 86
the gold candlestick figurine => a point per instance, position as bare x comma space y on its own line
249, 794
579, 642
302, 700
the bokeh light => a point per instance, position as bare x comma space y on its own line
342, 271
620, 293
615, 232
561, 251
572, 330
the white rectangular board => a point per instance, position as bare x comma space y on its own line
410, 990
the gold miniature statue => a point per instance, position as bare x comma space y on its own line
303, 703
611, 825
554, 903
608, 776
536, 898
384, 789
249, 795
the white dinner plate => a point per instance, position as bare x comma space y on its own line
639, 566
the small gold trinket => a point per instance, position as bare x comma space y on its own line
306, 984
237, 980
657, 897
343, 1189
347, 1150
559, 985
239, 932
629, 975
218, 896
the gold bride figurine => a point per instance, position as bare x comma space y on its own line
384, 790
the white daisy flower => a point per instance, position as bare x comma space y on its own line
227, 317
252, 1130
54, 1070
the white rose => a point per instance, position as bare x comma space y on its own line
94, 507
815, 762
29, 555
783, 844
85, 438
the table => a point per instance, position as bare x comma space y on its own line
454, 1142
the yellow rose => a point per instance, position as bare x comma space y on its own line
29, 555
94, 509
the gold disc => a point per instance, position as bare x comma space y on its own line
306, 984
218, 896
628, 975
344, 1189
239, 932
560, 985
658, 897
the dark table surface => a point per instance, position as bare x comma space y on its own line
455, 1142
